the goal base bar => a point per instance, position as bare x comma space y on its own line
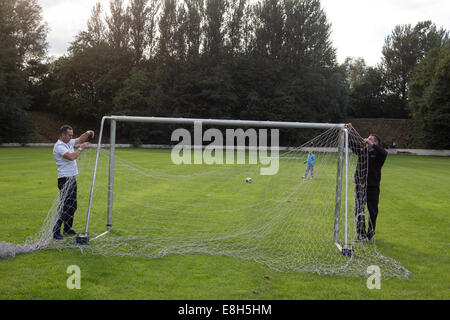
345, 251
109, 227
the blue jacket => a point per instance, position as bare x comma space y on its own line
311, 159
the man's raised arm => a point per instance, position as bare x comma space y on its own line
85, 137
74, 155
357, 146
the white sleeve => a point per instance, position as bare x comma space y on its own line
61, 150
71, 142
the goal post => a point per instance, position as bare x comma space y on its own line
342, 173
339, 173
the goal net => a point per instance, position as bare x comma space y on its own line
140, 202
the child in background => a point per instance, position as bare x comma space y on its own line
310, 165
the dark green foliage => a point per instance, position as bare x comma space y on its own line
382, 91
404, 48
22, 46
13, 101
228, 59
366, 95
271, 60
429, 98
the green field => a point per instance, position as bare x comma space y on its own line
412, 228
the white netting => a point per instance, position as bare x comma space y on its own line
282, 221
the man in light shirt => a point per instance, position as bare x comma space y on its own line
65, 158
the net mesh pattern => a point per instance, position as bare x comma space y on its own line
285, 221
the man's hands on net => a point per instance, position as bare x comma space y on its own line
84, 146
91, 135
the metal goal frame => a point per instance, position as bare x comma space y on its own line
342, 163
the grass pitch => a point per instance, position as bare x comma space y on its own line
412, 228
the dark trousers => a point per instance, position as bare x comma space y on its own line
371, 197
68, 203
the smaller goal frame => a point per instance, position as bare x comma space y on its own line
342, 162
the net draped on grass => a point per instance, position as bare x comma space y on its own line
282, 221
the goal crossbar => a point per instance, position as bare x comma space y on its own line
222, 122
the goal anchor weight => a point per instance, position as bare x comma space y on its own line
82, 239
347, 251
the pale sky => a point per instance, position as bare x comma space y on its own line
359, 27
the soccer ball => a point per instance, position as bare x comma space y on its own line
248, 180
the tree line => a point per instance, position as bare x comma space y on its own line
228, 59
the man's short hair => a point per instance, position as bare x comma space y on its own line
64, 129
376, 137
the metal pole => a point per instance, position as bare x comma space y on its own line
337, 209
111, 174
94, 175
346, 188
218, 122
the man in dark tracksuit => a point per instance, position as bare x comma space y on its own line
376, 156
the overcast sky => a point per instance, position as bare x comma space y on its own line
359, 27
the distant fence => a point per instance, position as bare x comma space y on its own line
420, 152
416, 152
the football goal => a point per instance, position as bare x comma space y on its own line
225, 187
340, 146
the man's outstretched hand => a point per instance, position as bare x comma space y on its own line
91, 135
84, 146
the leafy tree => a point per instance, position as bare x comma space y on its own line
267, 60
97, 64
167, 30
139, 12
30, 30
214, 33
403, 49
194, 27
235, 22
22, 47
366, 95
307, 33
269, 29
13, 101
118, 22
96, 31
87, 80
355, 68
151, 26
138, 96
429, 98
